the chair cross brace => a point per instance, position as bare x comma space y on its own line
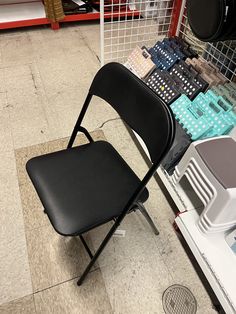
138, 205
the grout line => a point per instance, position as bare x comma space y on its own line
88, 46
16, 299
62, 282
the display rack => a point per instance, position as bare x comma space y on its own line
121, 35
118, 39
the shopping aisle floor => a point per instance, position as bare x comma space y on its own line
44, 77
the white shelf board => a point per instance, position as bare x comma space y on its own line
16, 1
21, 12
215, 258
179, 197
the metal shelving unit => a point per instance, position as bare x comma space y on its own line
23, 13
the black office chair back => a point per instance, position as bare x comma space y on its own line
138, 106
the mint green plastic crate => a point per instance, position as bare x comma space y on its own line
191, 119
225, 106
220, 120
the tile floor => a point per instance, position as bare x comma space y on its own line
44, 77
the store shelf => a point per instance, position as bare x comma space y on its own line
214, 256
22, 14
30, 13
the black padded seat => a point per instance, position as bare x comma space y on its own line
83, 187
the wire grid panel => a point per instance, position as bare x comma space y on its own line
126, 24
222, 54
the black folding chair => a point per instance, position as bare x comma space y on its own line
86, 186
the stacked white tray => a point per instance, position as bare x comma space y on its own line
215, 188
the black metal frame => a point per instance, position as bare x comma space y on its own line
132, 203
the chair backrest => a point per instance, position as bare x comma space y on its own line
138, 106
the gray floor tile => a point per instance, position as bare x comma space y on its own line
20, 43
15, 280
3, 100
91, 36
54, 259
20, 306
64, 73
68, 298
51, 45
6, 138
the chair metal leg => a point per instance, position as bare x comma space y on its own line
86, 246
148, 218
98, 252
110, 234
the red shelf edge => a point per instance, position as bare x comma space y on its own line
23, 23
68, 18
96, 16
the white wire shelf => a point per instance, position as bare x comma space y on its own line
121, 34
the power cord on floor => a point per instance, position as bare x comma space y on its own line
102, 125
